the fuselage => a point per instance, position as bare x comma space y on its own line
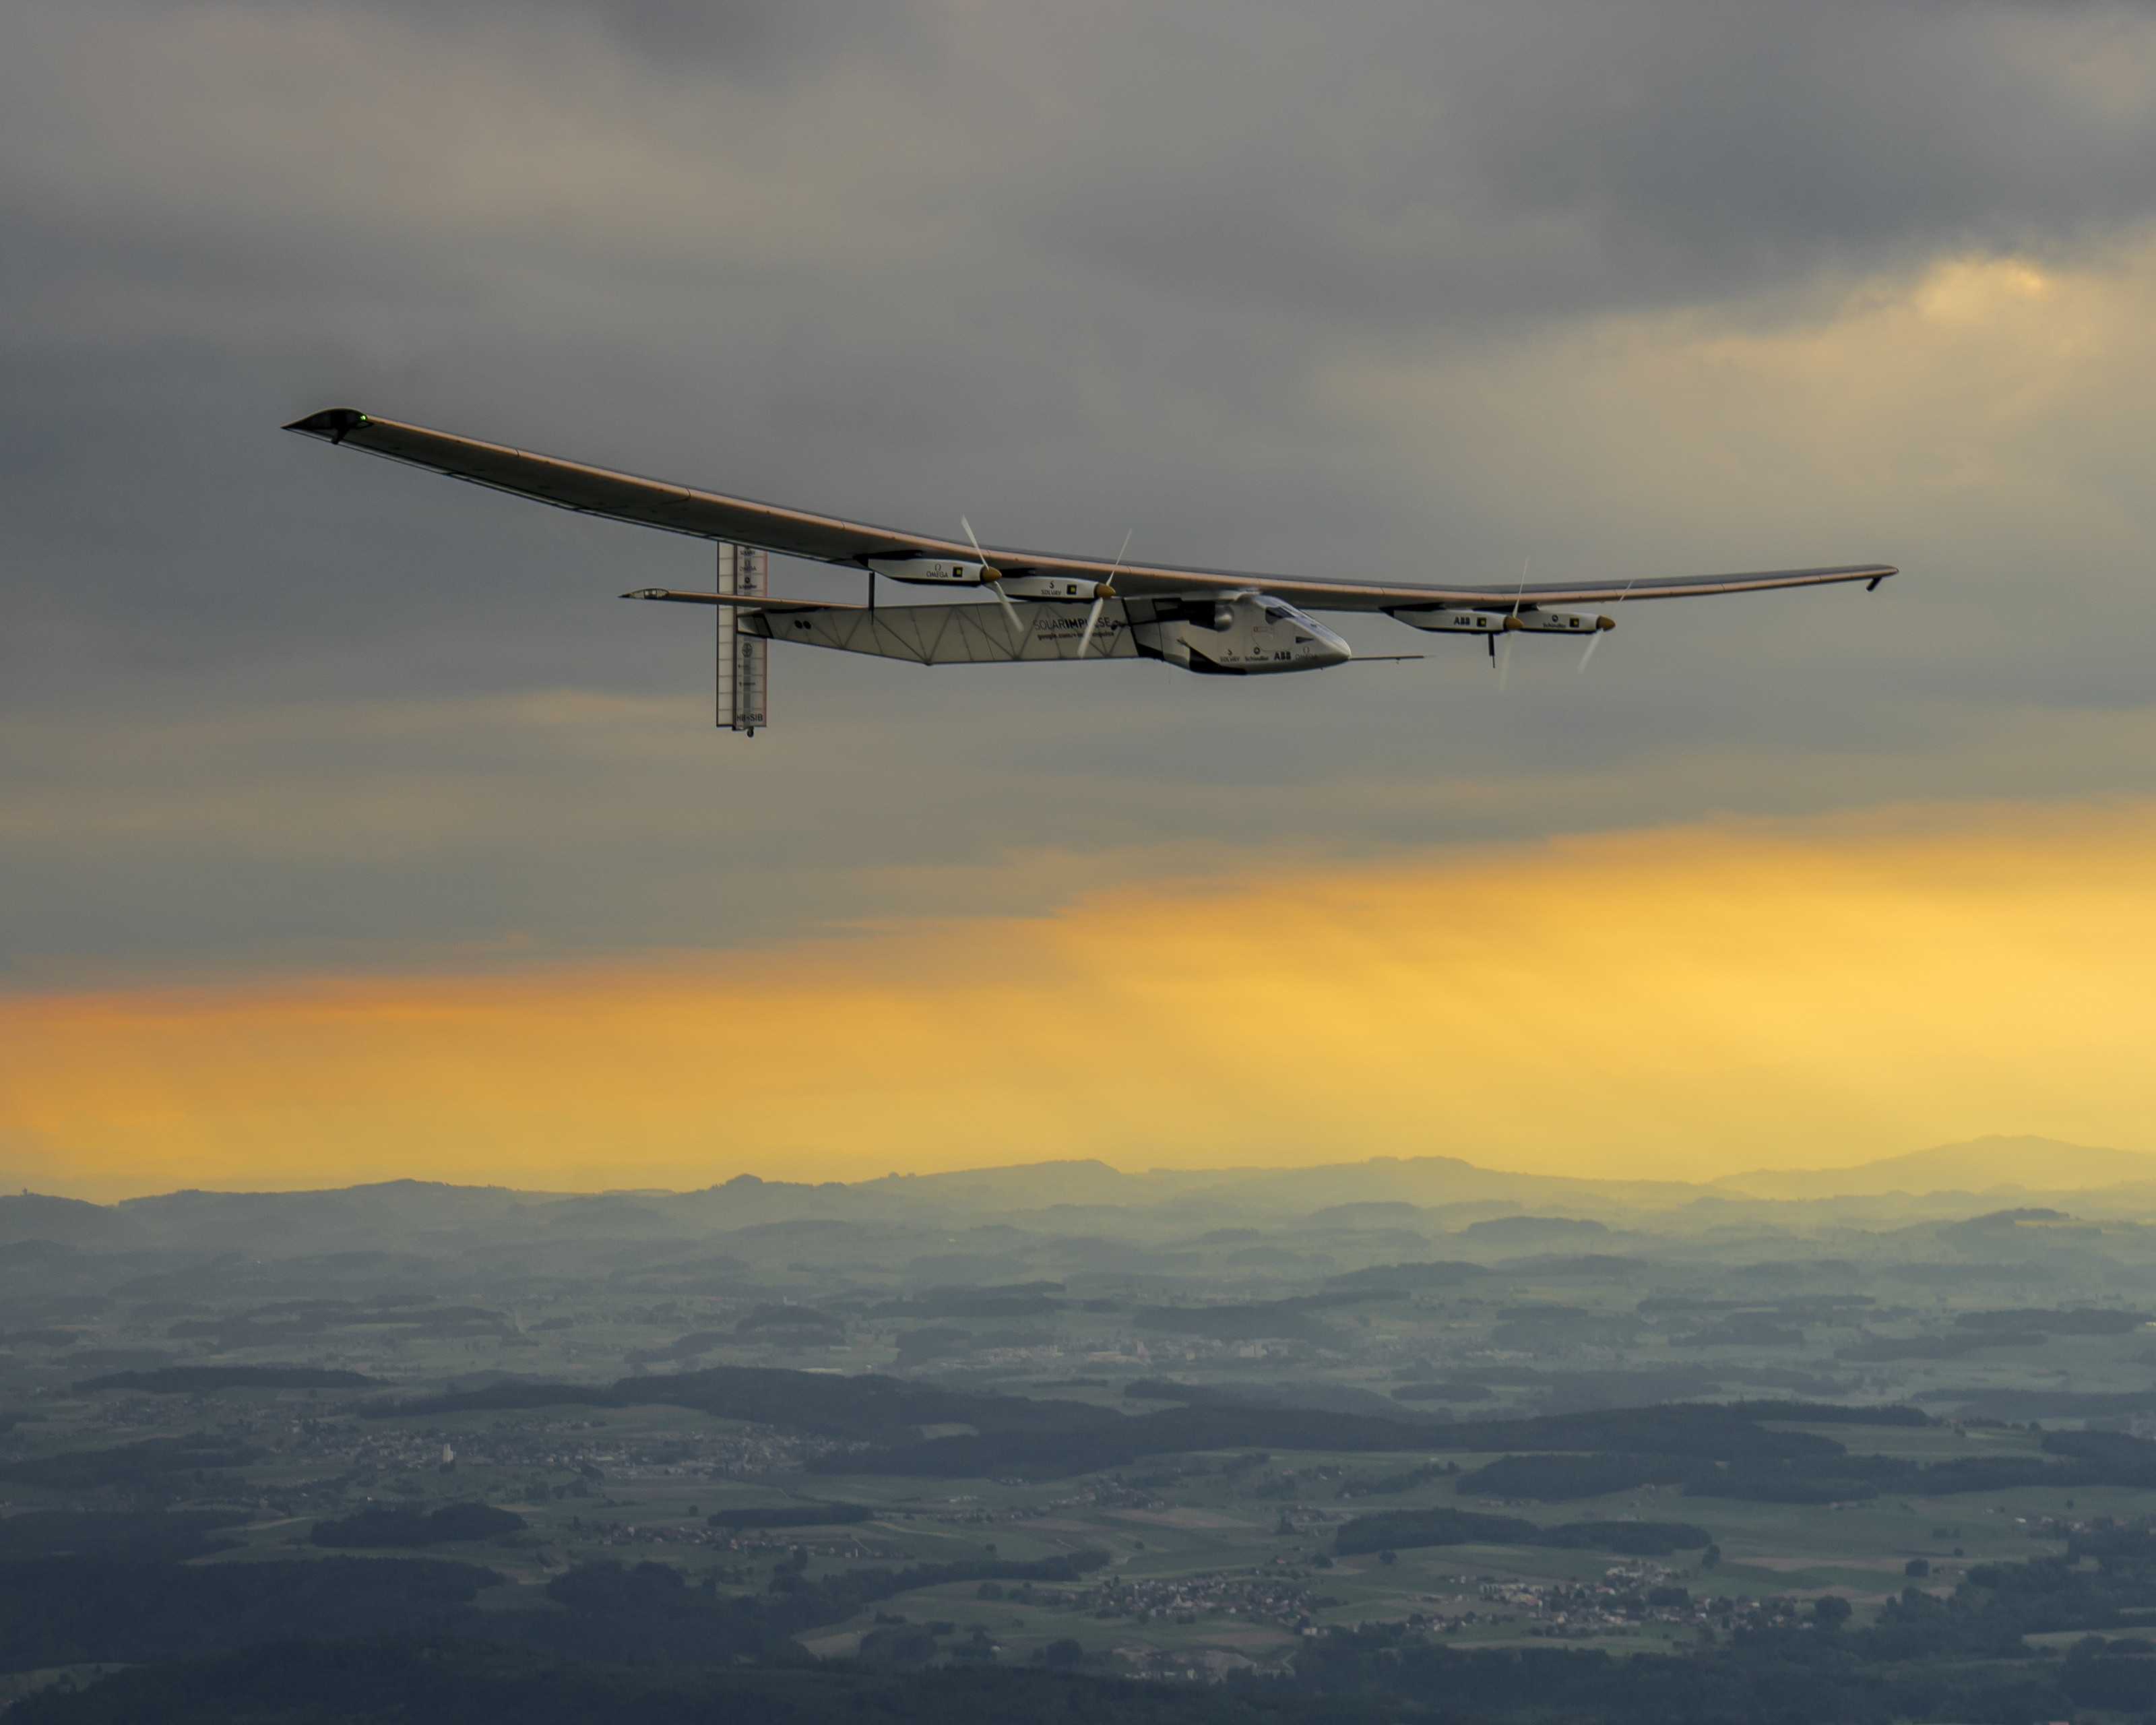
1245, 635
1235, 635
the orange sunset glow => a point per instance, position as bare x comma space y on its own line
1682, 1002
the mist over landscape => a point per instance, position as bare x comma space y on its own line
1345, 1435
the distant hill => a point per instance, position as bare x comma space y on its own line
986, 1225
1534, 1230
1422, 1181
67, 1221
1992, 1164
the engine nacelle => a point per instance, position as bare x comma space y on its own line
1454, 620
1559, 622
1049, 586
1450, 621
932, 572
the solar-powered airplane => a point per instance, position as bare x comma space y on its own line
1217, 622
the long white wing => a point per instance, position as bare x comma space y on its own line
821, 538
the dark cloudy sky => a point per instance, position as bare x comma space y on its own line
1610, 287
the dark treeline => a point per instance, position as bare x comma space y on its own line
1563, 1479
2009, 1402
147, 1465
1832, 1413
793, 1320
289, 1321
1708, 1430
1032, 1299
1794, 1308
382, 1526
1392, 1484
1292, 1393
1288, 1320
1700, 1431
1408, 1278
1120, 1440
210, 1378
93, 1610
2082, 1458
2055, 1321
78, 1610
1617, 1386
1796, 1678
868, 1406
1802, 1680
650, 1612
1405, 1529
791, 1515
165, 1536
199, 1380
466, 1683
688, 1347
1880, 1350
2113, 1458
1741, 1332
1444, 1390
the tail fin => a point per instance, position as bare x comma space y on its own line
743, 660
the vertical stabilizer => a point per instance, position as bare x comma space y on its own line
743, 661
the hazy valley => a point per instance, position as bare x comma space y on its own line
1294, 1432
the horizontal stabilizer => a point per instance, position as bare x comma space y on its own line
740, 601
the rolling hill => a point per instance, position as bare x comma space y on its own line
1988, 1164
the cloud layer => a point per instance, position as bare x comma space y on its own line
1635, 286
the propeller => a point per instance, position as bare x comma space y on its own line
1503, 656
992, 579
1101, 594
1595, 640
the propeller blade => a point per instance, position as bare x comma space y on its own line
1596, 640
991, 579
980, 556
1503, 653
1101, 594
1003, 599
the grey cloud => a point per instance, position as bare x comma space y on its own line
1451, 166
763, 39
1071, 270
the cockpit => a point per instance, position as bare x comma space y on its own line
1280, 613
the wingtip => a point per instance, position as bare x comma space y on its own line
335, 424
